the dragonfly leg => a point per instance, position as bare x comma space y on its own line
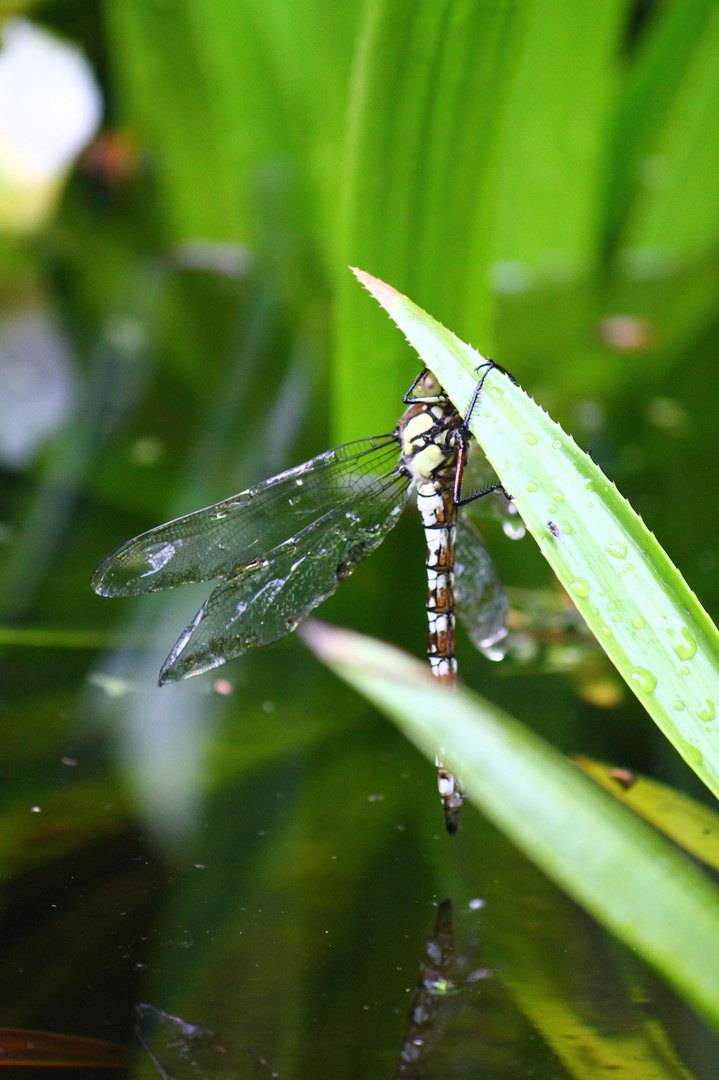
406, 398
488, 365
459, 473
464, 435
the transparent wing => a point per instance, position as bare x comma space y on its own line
478, 473
265, 600
220, 540
478, 476
478, 594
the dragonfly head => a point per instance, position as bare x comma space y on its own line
428, 388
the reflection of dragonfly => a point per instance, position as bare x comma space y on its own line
432, 986
284, 546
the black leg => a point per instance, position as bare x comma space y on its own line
488, 364
463, 442
481, 494
406, 398
464, 436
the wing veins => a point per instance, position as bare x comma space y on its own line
221, 538
262, 604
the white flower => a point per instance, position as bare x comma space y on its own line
50, 108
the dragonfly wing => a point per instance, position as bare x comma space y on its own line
220, 540
266, 600
480, 600
478, 473
478, 476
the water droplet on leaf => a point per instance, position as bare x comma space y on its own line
687, 647
644, 679
706, 711
617, 549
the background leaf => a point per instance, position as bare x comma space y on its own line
608, 860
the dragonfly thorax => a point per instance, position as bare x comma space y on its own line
428, 435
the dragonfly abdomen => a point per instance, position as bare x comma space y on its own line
439, 514
430, 452
438, 517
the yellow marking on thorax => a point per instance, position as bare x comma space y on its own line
423, 460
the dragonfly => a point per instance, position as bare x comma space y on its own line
282, 547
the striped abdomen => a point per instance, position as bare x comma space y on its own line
430, 453
438, 517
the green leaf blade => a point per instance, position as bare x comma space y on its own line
417, 181
606, 858
633, 598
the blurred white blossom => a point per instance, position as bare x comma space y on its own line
37, 383
50, 108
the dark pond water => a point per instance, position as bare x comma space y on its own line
248, 876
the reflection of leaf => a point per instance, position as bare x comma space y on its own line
21, 1047
691, 825
621, 871
592, 1002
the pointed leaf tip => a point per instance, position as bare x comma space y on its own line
384, 294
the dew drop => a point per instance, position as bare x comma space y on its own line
531, 486
616, 618
677, 704
530, 438
693, 754
556, 444
638, 623
498, 391
558, 496
687, 647
551, 509
589, 485
644, 679
605, 630
685, 670
579, 588
611, 607
566, 529
706, 711
617, 549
